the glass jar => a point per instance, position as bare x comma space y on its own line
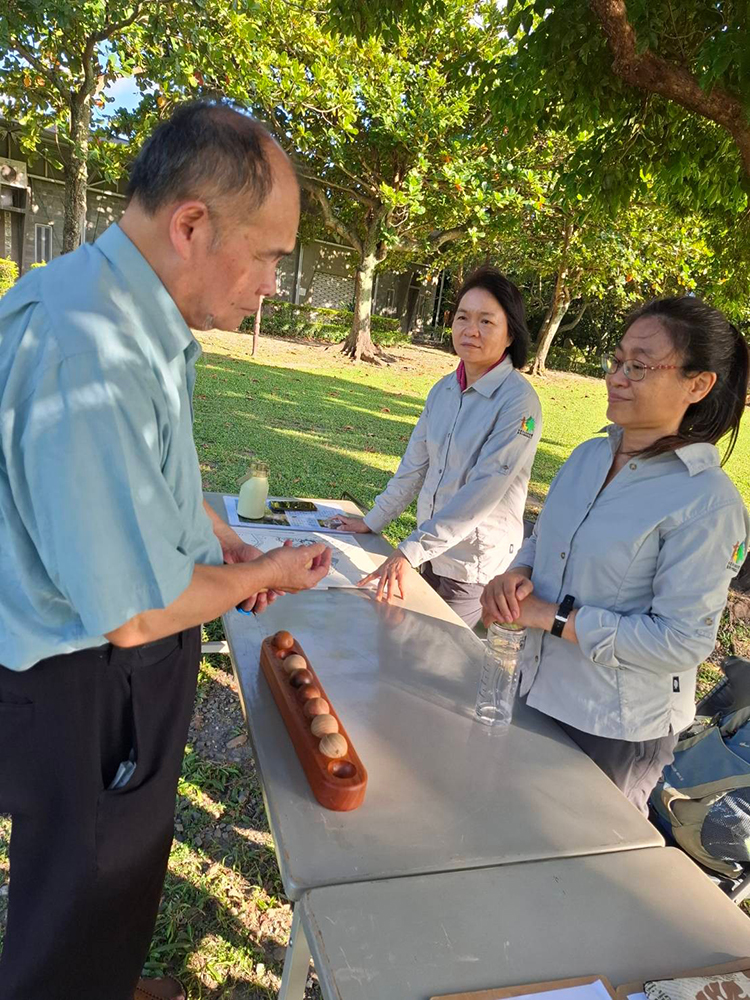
254, 492
500, 673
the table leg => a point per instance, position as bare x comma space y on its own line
296, 961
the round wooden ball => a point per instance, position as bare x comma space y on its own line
324, 725
333, 745
308, 692
294, 662
283, 640
300, 677
316, 706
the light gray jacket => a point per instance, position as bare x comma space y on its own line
649, 560
469, 458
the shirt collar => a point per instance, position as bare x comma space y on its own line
166, 324
490, 381
695, 457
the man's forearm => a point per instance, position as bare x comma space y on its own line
228, 538
212, 591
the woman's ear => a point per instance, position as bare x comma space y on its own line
700, 386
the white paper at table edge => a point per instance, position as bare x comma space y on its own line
637, 996
587, 991
325, 512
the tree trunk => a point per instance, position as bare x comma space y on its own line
359, 345
76, 172
550, 325
256, 326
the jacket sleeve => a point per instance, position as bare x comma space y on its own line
695, 567
407, 480
507, 448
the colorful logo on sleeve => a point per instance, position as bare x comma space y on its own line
527, 427
738, 556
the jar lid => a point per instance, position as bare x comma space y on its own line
508, 626
260, 468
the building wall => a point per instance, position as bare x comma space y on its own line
47, 207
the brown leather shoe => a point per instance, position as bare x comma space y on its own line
160, 989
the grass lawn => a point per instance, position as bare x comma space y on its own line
325, 427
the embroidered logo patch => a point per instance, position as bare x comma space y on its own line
676, 685
527, 427
738, 556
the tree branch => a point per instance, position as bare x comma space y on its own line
365, 199
90, 78
38, 65
438, 237
574, 323
652, 73
334, 224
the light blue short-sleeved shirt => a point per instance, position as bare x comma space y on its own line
101, 512
648, 559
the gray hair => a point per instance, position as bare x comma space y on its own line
206, 150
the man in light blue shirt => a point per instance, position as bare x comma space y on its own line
108, 557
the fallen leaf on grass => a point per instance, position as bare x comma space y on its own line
238, 741
384, 409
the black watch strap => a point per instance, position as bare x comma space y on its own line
563, 613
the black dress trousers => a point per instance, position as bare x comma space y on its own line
87, 860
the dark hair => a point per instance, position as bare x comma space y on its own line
205, 150
707, 342
511, 300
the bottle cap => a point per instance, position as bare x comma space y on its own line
260, 468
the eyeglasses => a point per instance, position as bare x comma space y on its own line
633, 370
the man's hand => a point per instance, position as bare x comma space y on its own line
298, 568
392, 574
354, 525
502, 597
240, 552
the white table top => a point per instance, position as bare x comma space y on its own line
629, 916
443, 792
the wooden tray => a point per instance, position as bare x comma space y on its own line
338, 784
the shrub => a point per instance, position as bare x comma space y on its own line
8, 274
41, 263
315, 323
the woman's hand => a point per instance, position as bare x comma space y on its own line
354, 525
502, 597
392, 574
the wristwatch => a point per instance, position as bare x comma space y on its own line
563, 613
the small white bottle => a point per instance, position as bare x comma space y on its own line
254, 492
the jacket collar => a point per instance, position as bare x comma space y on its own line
695, 457
164, 320
488, 384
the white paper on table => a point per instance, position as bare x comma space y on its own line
297, 520
588, 991
349, 562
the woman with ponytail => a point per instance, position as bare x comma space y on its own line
625, 577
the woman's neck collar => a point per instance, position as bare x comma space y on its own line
635, 442
475, 372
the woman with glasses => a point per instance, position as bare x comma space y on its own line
624, 580
468, 459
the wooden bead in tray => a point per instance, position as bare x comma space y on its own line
334, 771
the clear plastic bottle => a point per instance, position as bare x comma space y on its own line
254, 492
500, 673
